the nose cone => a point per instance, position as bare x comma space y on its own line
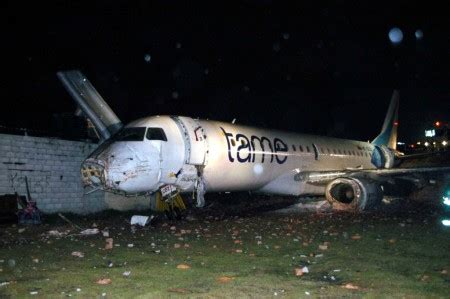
93, 173
122, 166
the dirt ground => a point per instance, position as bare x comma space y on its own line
232, 250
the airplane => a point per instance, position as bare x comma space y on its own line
168, 155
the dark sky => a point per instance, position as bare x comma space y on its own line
322, 69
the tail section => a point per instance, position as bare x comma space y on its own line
91, 103
388, 134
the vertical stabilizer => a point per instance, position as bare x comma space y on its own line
388, 134
91, 103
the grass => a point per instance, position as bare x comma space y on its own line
398, 255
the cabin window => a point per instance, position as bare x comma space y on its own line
130, 134
156, 134
339, 151
328, 150
345, 152
293, 148
300, 148
334, 151
307, 149
354, 154
322, 151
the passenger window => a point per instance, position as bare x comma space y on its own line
156, 134
293, 148
334, 151
307, 149
339, 151
300, 148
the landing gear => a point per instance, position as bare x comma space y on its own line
172, 206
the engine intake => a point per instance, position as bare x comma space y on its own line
353, 194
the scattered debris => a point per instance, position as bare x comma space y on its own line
68, 221
109, 244
183, 267
356, 237
103, 281
21, 230
224, 279
323, 247
350, 286
444, 271
301, 271
141, 220
5, 283
33, 292
126, 273
90, 231
55, 233
105, 233
77, 254
130, 245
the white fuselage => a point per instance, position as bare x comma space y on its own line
227, 157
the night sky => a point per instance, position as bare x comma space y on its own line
323, 69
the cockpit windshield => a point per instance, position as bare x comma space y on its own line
130, 134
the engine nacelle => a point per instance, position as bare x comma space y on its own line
383, 157
353, 194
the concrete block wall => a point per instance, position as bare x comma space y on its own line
52, 167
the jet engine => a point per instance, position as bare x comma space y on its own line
383, 157
353, 194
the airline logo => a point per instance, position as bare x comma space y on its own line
255, 149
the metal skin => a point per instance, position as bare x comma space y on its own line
225, 156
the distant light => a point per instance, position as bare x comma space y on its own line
426, 143
444, 143
446, 222
418, 34
286, 35
418, 142
434, 142
446, 200
395, 35
412, 145
430, 133
437, 124
400, 143
395, 123
147, 58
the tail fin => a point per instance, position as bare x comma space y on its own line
388, 134
91, 103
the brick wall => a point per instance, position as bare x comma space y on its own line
52, 167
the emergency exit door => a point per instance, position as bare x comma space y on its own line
195, 140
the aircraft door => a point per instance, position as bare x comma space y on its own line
195, 139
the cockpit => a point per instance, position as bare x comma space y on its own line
138, 134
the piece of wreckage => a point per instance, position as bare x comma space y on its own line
163, 156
